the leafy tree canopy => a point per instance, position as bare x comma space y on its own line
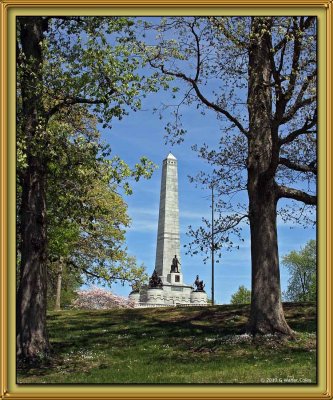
302, 267
242, 296
72, 72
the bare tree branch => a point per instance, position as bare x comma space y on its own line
283, 51
299, 167
201, 96
232, 224
94, 275
284, 97
295, 194
306, 128
197, 41
300, 101
69, 101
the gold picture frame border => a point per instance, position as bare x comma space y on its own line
8, 10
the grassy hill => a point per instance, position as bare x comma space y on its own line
175, 345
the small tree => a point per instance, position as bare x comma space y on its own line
302, 268
242, 296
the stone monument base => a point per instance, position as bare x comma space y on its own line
173, 292
176, 294
155, 296
199, 297
135, 297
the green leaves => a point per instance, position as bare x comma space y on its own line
62, 238
87, 215
303, 270
242, 296
145, 168
92, 60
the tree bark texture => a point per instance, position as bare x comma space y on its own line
32, 339
266, 308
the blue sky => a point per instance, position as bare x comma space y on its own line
142, 133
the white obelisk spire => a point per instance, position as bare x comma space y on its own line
168, 238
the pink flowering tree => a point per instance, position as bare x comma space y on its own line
96, 298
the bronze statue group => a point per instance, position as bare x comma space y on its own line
156, 282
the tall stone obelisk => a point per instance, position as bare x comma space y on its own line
168, 238
173, 290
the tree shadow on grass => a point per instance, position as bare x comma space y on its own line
164, 325
89, 327
178, 327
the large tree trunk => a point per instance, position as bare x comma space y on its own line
266, 308
32, 339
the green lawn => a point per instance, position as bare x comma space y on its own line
175, 345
